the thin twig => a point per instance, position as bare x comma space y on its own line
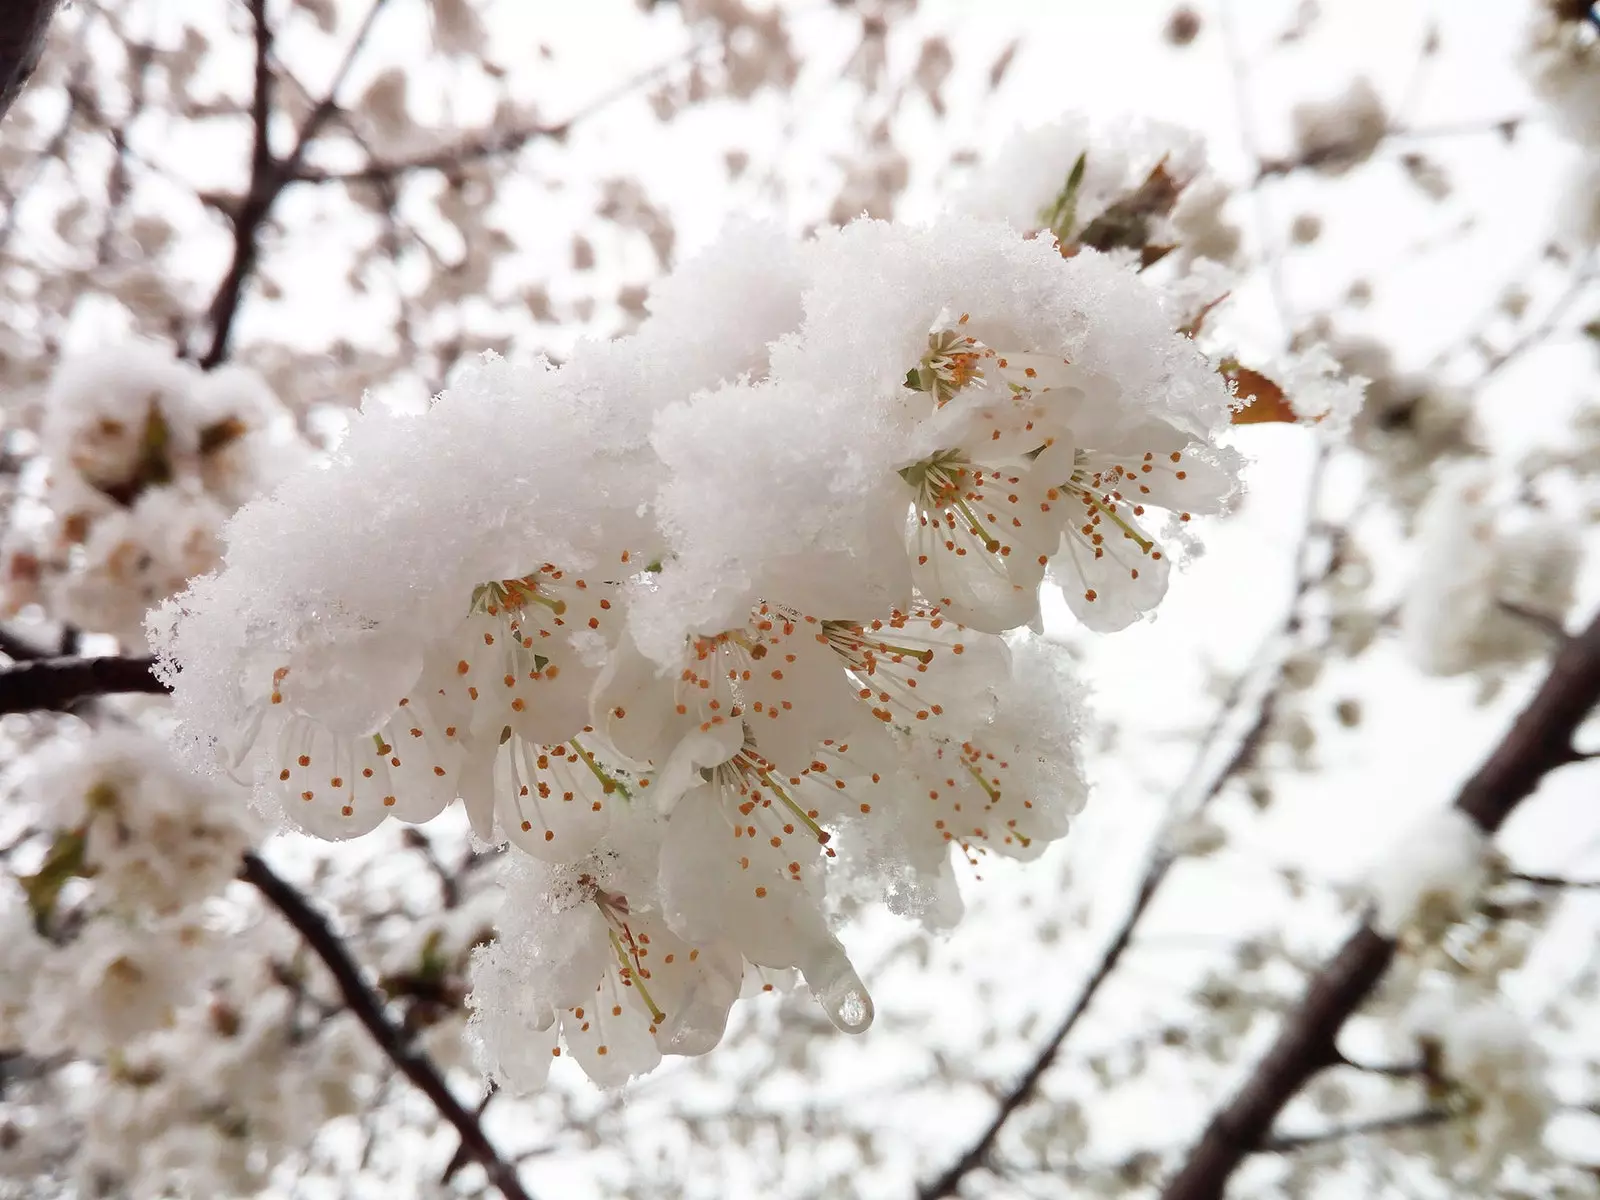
364, 1003
268, 176
494, 144
1555, 881
1422, 1119
1540, 741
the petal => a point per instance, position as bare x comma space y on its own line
738, 877
553, 801
1110, 585
610, 1033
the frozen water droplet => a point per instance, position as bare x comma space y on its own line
847, 1003
855, 1012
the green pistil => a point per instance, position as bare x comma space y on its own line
800, 813
608, 783
993, 792
513, 593
636, 973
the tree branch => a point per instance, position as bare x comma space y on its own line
59, 683
1422, 1119
1554, 881
268, 176
368, 1009
493, 144
23, 25
1539, 742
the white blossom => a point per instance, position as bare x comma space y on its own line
1431, 874
1486, 577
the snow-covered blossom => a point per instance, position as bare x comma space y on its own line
1431, 875
1489, 579
1022, 181
240, 1075
713, 614
1317, 387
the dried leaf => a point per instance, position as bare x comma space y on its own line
1126, 223
1192, 329
1265, 399
221, 433
997, 72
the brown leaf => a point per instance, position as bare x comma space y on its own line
1127, 222
1267, 403
1192, 329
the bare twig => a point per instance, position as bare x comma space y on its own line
1554, 881
1539, 742
364, 1003
497, 143
1422, 1119
23, 24
59, 683
268, 175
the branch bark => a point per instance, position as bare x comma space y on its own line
58, 683
23, 25
391, 1039
1540, 741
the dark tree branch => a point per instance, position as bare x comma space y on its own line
1540, 741
258, 199
23, 24
360, 998
59, 683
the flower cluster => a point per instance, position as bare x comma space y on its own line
142, 458
135, 848
1491, 580
715, 614
163, 1042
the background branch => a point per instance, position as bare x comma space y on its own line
1538, 742
269, 176
391, 1039
59, 683
23, 24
